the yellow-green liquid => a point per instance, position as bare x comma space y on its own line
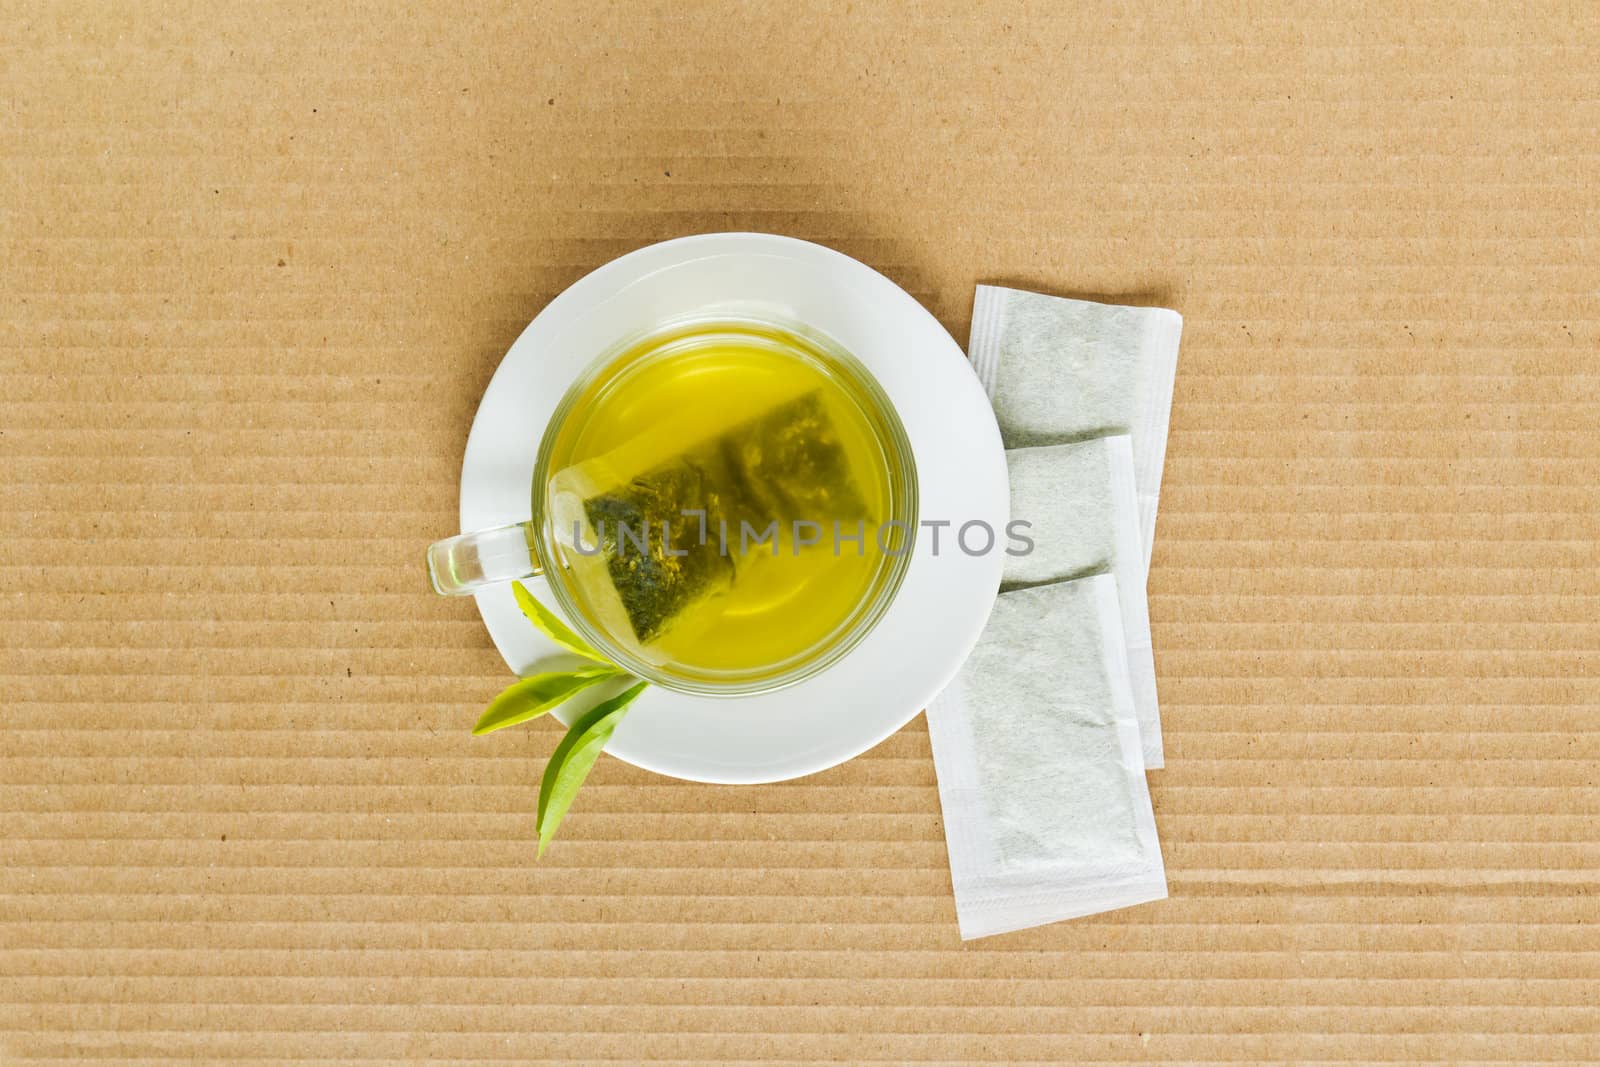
692, 398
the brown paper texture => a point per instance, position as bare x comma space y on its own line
257, 263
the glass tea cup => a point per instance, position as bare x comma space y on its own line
657, 476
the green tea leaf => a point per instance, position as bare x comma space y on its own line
537, 694
545, 621
574, 757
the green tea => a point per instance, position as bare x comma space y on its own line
719, 501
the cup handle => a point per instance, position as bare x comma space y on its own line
468, 562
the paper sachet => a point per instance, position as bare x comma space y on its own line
1046, 811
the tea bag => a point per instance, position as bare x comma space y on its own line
1079, 501
1047, 815
670, 535
1061, 370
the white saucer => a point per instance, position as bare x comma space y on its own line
935, 619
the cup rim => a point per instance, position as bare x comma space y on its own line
886, 584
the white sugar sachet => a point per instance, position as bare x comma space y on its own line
1082, 513
1062, 370
1047, 815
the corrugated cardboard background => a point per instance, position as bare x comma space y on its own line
258, 263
